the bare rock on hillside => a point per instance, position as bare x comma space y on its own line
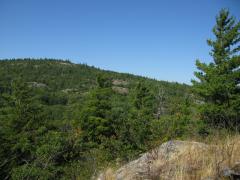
66, 63
232, 173
70, 90
120, 90
175, 160
145, 167
119, 82
37, 85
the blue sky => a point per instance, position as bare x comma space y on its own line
160, 39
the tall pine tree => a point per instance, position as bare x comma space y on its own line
96, 121
142, 114
19, 132
218, 83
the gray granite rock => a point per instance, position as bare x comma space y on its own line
142, 168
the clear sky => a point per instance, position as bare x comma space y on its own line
160, 39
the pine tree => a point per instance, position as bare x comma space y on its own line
19, 132
141, 115
218, 83
96, 120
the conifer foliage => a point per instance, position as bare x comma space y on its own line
96, 119
218, 83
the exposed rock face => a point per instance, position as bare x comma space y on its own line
233, 173
37, 85
69, 90
119, 86
144, 167
119, 82
180, 160
120, 90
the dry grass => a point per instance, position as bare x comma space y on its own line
109, 174
194, 162
200, 163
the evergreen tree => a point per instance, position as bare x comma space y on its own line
96, 121
19, 129
219, 81
141, 115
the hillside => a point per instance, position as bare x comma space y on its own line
60, 75
65, 84
57, 117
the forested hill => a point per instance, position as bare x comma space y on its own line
66, 120
60, 74
70, 81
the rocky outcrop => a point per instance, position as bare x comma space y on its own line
145, 168
119, 82
120, 90
175, 159
37, 85
232, 173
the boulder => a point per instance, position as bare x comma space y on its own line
145, 167
232, 173
175, 160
